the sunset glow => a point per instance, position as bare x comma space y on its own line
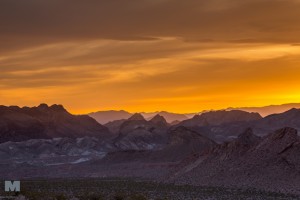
187, 58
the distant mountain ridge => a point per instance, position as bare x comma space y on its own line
170, 117
268, 110
220, 117
104, 117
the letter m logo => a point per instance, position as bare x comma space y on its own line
12, 186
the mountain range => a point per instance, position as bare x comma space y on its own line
230, 148
269, 163
104, 117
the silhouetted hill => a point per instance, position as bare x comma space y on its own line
159, 120
136, 117
170, 117
136, 133
220, 118
18, 124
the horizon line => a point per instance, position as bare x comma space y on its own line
151, 112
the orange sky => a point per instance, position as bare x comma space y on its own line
149, 55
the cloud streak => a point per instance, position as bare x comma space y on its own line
61, 20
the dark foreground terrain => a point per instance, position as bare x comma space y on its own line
129, 189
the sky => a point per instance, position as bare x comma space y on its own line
149, 55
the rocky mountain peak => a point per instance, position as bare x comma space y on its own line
136, 117
159, 120
58, 108
54, 107
248, 137
280, 140
43, 106
44, 122
287, 132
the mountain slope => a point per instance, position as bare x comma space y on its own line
226, 125
183, 142
159, 120
271, 163
290, 118
136, 133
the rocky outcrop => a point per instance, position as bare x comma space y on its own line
136, 133
159, 121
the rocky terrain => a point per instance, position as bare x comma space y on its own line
270, 163
227, 127
136, 133
228, 149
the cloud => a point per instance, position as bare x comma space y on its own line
100, 60
34, 22
123, 53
